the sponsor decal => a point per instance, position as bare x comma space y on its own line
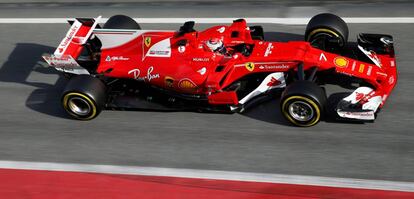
159, 52
341, 62
268, 50
68, 38
187, 84
265, 65
237, 42
147, 41
322, 57
369, 70
201, 59
382, 74
160, 48
273, 82
249, 66
181, 49
272, 67
392, 63
169, 82
65, 60
116, 58
152, 76
361, 68
353, 65
202, 71
358, 114
391, 80
136, 74
221, 30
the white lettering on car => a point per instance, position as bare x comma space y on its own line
322, 57
268, 50
135, 72
68, 38
201, 59
181, 49
152, 76
270, 67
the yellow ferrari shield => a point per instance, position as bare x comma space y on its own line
250, 66
147, 41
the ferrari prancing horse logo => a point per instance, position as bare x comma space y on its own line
250, 66
147, 41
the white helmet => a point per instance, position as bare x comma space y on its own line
215, 45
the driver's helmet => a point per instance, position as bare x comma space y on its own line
216, 45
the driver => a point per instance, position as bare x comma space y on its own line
216, 45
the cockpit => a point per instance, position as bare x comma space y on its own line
224, 40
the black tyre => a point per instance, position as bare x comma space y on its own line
121, 22
327, 32
84, 97
302, 103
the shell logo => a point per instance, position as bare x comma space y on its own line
187, 84
341, 62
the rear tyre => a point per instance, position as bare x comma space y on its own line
121, 22
84, 97
327, 32
302, 103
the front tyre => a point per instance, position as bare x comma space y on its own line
327, 32
302, 103
84, 97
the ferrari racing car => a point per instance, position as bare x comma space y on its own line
225, 68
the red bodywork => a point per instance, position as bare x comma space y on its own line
193, 68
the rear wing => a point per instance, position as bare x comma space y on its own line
71, 46
78, 34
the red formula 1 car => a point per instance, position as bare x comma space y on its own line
223, 68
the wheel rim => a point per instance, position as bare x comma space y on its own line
323, 41
79, 106
301, 111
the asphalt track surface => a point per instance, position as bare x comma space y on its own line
34, 127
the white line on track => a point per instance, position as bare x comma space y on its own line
286, 21
213, 175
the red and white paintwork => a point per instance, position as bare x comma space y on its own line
64, 180
156, 58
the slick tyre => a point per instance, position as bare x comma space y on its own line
84, 97
303, 103
327, 32
121, 22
